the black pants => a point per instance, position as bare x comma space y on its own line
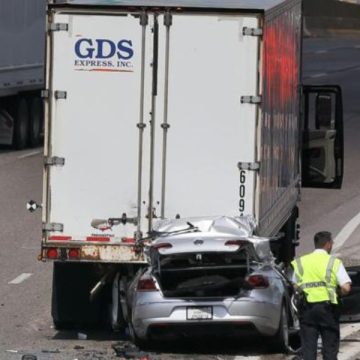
320, 319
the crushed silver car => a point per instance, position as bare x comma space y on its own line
210, 276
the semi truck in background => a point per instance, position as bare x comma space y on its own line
173, 109
22, 72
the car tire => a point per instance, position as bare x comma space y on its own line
140, 343
281, 338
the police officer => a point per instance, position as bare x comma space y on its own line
321, 277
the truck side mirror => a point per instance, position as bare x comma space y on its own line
322, 137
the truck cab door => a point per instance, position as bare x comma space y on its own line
322, 139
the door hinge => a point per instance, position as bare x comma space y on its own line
167, 19
252, 166
250, 99
58, 27
54, 160
52, 227
144, 19
60, 94
252, 31
45, 94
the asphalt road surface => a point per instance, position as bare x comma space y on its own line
25, 283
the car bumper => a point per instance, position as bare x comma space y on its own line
230, 316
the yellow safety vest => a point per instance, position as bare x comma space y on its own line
316, 276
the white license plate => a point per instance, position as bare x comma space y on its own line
199, 313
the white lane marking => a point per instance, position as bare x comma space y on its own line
20, 279
349, 349
246, 357
321, 51
33, 153
30, 247
346, 232
318, 75
349, 329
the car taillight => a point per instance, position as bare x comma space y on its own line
74, 253
52, 253
162, 246
236, 242
258, 281
146, 284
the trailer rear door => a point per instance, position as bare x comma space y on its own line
211, 65
96, 79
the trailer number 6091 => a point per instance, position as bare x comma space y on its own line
242, 192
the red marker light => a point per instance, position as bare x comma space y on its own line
74, 253
52, 253
60, 238
98, 238
128, 240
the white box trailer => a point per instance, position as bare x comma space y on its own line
22, 71
167, 109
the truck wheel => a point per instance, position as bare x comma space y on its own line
71, 307
21, 127
118, 318
36, 115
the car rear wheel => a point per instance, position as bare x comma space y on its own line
281, 340
141, 343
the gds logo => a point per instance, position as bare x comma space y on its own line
103, 55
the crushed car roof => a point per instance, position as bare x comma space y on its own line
239, 226
212, 231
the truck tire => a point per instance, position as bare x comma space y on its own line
35, 120
71, 307
21, 126
118, 317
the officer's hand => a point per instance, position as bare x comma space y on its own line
345, 289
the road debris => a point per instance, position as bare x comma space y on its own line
129, 351
82, 336
57, 351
